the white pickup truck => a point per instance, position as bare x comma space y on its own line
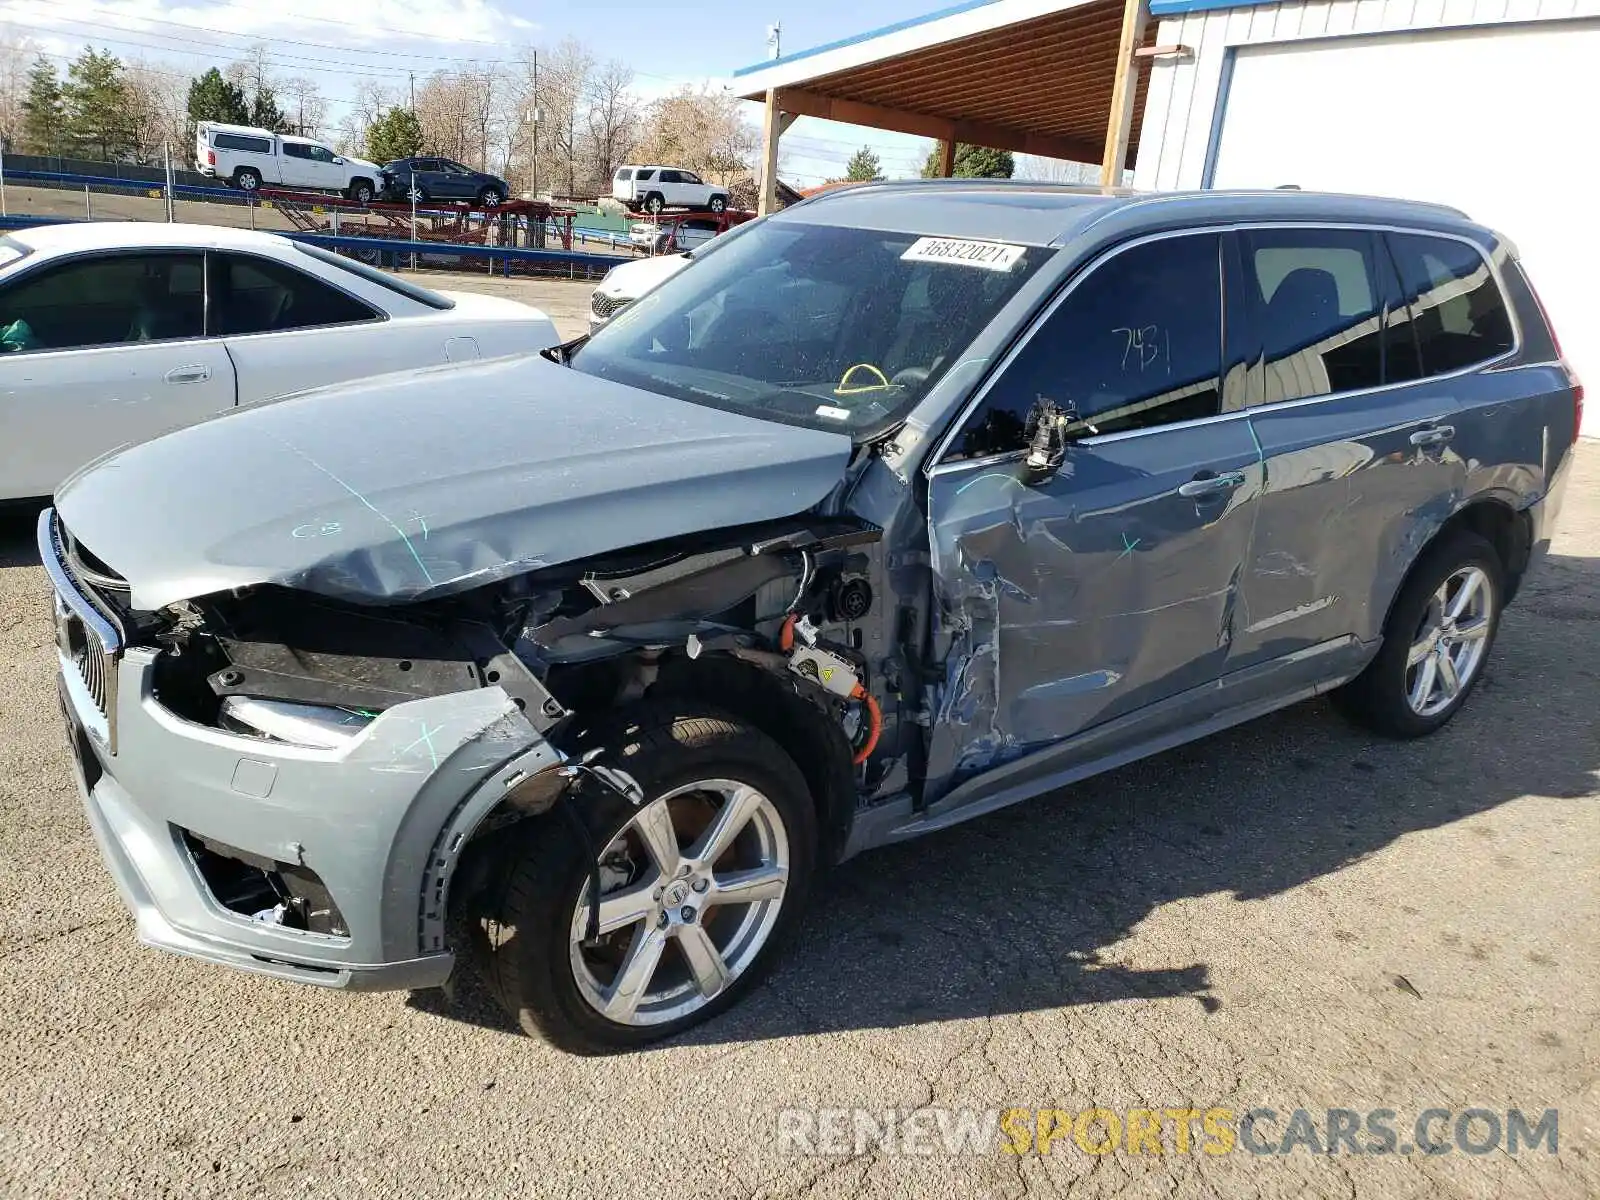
248, 157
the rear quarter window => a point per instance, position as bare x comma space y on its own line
1457, 314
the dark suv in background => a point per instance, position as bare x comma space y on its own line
427, 178
905, 504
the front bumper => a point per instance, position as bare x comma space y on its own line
380, 821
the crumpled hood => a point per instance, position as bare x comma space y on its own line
433, 481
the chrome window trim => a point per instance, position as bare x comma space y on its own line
937, 461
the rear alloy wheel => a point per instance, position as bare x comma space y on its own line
1436, 641
654, 202
246, 179
698, 886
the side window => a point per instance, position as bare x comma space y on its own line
453, 168
321, 154
1135, 344
689, 177
1313, 321
257, 295
296, 150
101, 301
235, 141
1458, 316
645, 176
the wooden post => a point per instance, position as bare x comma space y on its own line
947, 157
770, 131
1119, 126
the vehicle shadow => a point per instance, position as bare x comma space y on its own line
18, 520
1014, 912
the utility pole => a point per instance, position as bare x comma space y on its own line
411, 89
533, 138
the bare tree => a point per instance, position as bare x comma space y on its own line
613, 121
158, 100
563, 84
1056, 170
371, 100
304, 105
702, 129
17, 52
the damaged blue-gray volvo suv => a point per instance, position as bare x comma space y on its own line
908, 503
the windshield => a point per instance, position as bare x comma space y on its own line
842, 329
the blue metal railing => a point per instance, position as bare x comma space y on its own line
394, 252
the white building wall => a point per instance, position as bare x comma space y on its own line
1183, 93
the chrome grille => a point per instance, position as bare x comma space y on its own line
86, 630
604, 306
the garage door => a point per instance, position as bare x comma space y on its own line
1500, 123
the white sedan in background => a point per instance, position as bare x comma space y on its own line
113, 332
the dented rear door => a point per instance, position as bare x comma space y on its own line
1065, 604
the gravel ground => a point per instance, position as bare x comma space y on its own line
1287, 915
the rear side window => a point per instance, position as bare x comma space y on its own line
257, 295
1313, 305
1457, 316
624, 174
103, 301
238, 141
1136, 344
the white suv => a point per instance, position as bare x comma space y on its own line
655, 188
248, 157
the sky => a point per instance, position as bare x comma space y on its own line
340, 46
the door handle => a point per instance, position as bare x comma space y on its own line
1433, 435
1211, 485
194, 373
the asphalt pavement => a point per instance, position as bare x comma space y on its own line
1288, 915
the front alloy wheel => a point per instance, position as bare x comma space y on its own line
698, 885
678, 924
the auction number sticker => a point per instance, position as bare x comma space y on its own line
991, 256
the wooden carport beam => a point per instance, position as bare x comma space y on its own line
1124, 87
977, 133
775, 125
947, 158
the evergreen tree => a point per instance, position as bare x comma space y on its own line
395, 134
973, 162
863, 166
98, 106
213, 98
265, 113
43, 110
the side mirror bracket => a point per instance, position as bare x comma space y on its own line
1047, 440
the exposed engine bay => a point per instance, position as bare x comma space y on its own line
566, 644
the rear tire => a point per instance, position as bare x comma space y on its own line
1409, 690
570, 991
247, 179
654, 202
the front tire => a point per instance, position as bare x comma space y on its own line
1436, 641
719, 204
700, 885
490, 198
